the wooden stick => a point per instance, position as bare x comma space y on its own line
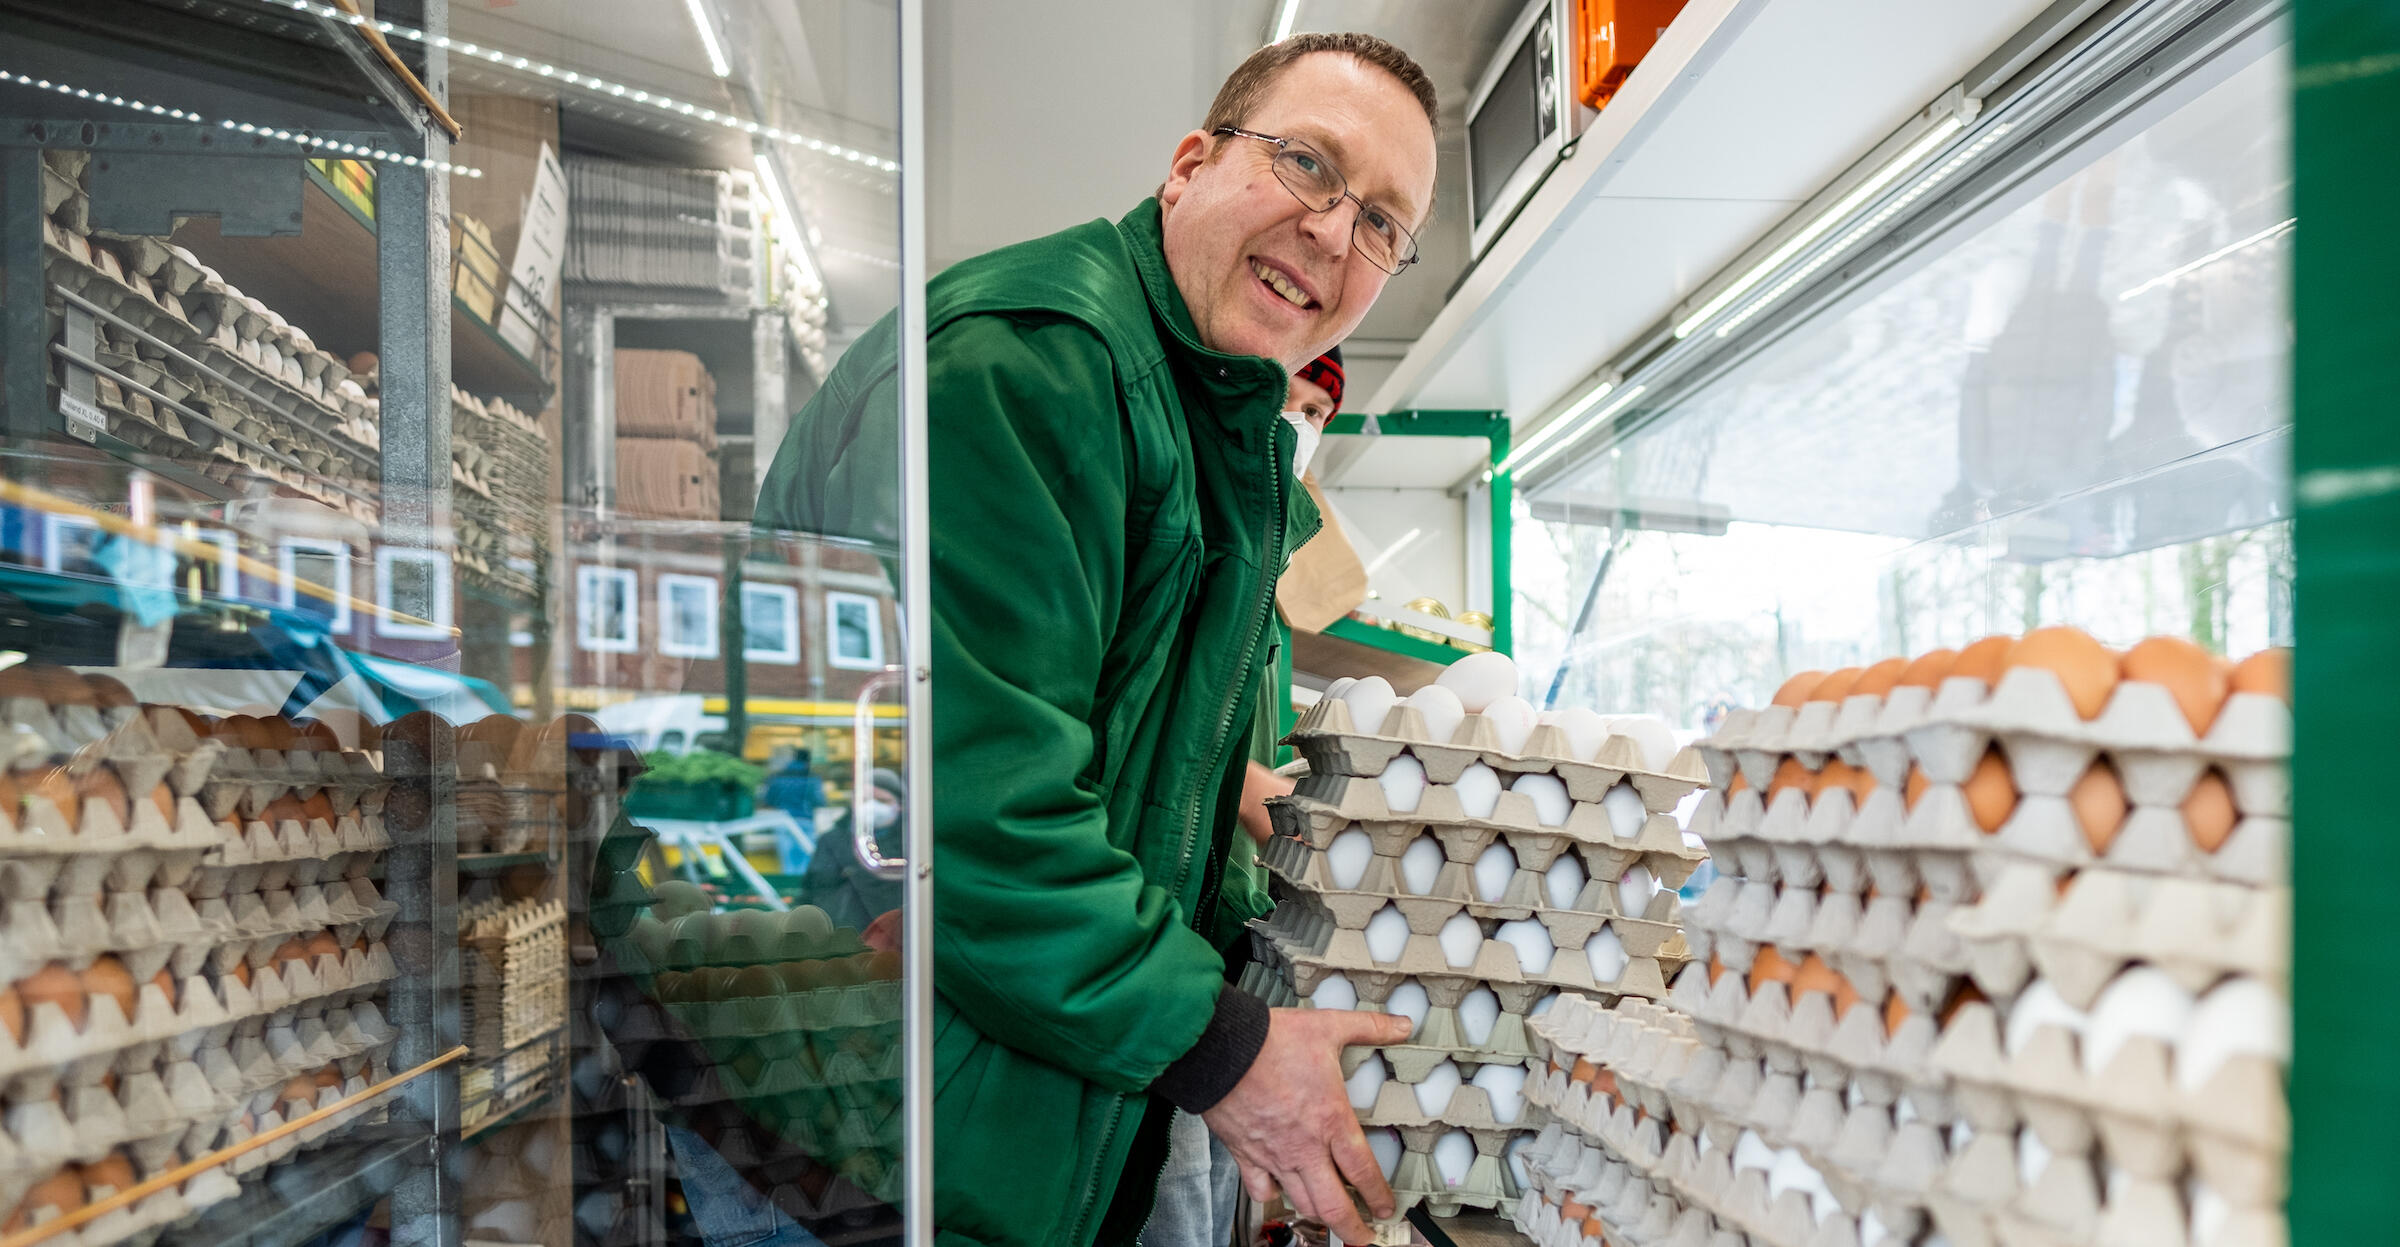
392, 59
184, 1172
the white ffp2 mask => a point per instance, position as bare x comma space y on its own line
1306, 447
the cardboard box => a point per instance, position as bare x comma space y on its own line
666, 478
666, 394
475, 278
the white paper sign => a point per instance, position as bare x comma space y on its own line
541, 251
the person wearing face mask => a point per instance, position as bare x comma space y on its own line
1112, 501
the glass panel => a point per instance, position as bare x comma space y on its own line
2075, 414
405, 731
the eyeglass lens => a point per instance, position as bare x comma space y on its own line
1318, 185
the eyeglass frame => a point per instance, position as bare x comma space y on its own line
1284, 143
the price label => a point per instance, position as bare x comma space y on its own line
83, 419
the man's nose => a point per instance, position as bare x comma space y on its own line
1330, 230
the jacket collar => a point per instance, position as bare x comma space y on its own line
1236, 379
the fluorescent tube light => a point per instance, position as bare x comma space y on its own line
1597, 421
2186, 270
708, 38
1858, 196
1287, 14
787, 222
1558, 425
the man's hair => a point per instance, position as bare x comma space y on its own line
1256, 75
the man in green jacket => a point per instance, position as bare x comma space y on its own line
1112, 500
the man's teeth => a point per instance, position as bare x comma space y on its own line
1290, 292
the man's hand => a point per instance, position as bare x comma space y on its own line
1258, 784
1289, 1122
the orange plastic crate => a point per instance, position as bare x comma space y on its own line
1611, 37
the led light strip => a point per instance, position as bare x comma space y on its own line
1598, 421
2270, 233
1564, 420
603, 87
356, 151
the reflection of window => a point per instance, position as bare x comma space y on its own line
672, 742
414, 583
200, 574
771, 623
73, 542
607, 611
687, 616
316, 580
854, 628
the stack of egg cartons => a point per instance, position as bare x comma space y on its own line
1461, 860
189, 945
1998, 957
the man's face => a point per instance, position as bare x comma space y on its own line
1227, 216
1310, 399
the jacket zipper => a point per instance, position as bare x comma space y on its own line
1269, 570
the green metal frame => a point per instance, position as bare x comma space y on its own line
1492, 426
2345, 1092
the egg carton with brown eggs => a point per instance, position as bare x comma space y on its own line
2079, 933
1883, 1050
1879, 944
38, 1197
1334, 745
1589, 1194
2006, 1189
1814, 831
164, 928
1312, 941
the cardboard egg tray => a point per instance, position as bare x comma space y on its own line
2233, 1129
1333, 745
787, 1014
164, 928
1881, 843
1984, 1199
1881, 944
1416, 1180
754, 938
1579, 1186
1856, 1049
1441, 1037
1313, 946
1323, 806
2197, 930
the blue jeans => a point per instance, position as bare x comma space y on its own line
728, 1210
1196, 1192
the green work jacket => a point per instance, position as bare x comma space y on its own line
1111, 505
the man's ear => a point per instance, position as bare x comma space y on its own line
1190, 154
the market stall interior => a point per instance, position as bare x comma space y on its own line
1792, 700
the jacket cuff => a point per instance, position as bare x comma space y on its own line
1235, 1033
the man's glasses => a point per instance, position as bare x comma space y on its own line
1319, 187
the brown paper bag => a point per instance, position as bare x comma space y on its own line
1324, 580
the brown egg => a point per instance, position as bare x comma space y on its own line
1592, 1229
1838, 776
164, 798
1741, 783
1928, 670
2268, 671
1583, 1072
279, 733
2083, 666
109, 977
1845, 997
330, 1076
56, 686
315, 736
1605, 1083
2098, 799
54, 984
1917, 784
52, 784
284, 807
1572, 1211
364, 363
1814, 976
1716, 969
12, 1012
290, 950
165, 983
1767, 965
108, 692
1880, 678
1792, 775
1967, 994
302, 1088
1985, 659
1895, 1011
2208, 813
1837, 686
61, 1191
241, 973
1991, 791
317, 805
322, 944
108, 1175
2189, 673
1862, 784
101, 783
1798, 689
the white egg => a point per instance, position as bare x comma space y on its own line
1387, 935
1505, 1084
2039, 1006
1441, 711
1532, 942
1961, 1134
1606, 953
2210, 1212
1367, 1083
1421, 865
1904, 1109
1790, 1171
1512, 721
2141, 1001
1823, 1203
1625, 812
1433, 1094
1385, 1143
1462, 938
1347, 857
1635, 890
1478, 790
1334, 992
1564, 881
2241, 1017
1544, 1005
1477, 1014
1871, 1230
1656, 741
1403, 784
1514, 1154
1408, 1001
1480, 679
1453, 1156
1493, 870
1586, 731
2033, 1157
1370, 701
1549, 793
1752, 1152
1334, 691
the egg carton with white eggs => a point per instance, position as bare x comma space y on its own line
680, 933
1470, 1030
2078, 934
2007, 1188
1817, 831
1458, 955
1883, 1049
1880, 944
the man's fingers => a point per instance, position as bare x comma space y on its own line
1358, 1164
1258, 1182
1377, 1028
1330, 1204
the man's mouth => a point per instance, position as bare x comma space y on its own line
1283, 286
